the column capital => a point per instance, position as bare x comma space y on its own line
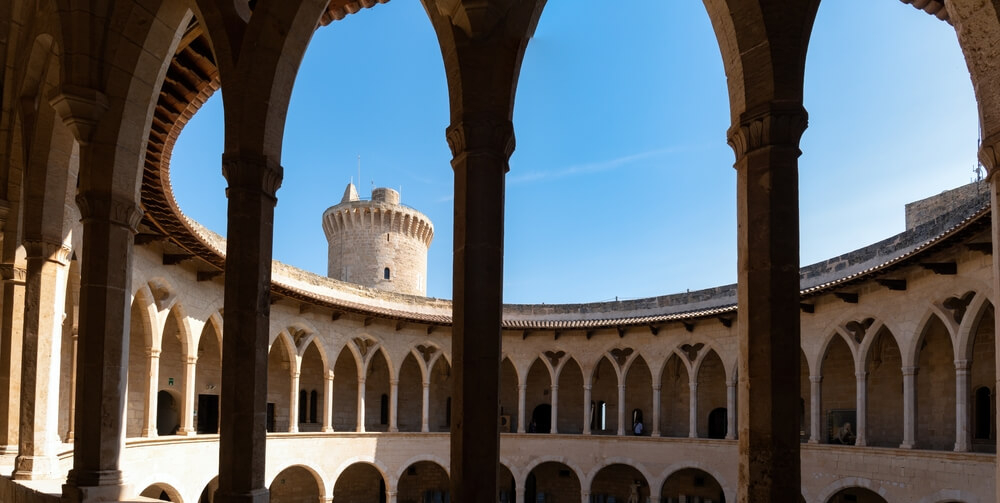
51, 250
522, 386
191, 360
554, 387
13, 274
296, 374
962, 365
989, 154
657, 387
152, 353
426, 384
692, 385
816, 379
588, 387
109, 207
861, 376
252, 171
481, 134
394, 382
778, 123
910, 370
80, 108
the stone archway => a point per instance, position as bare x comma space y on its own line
674, 398
856, 495
162, 492
360, 482
935, 393
423, 481
839, 391
620, 481
552, 481
295, 484
691, 483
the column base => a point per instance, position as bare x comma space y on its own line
187, 433
730, 437
34, 467
813, 441
104, 485
655, 434
150, 433
860, 442
328, 429
906, 445
962, 448
255, 496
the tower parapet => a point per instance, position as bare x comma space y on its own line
378, 242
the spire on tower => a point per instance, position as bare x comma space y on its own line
350, 194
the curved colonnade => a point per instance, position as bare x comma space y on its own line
897, 340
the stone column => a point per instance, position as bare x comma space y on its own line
425, 408
765, 140
909, 407
361, 405
861, 429
328, 403
187, 407
693, 409
962, 418
253, 183
585, 495
109, 226
390, 496
44, 311
519, 494
11, 326
656, 410
554, 400
481, 144
730, 410
587, 411
394, 405
152, 387
70, 434
989, 155
621, 410
815, 409
522, 395
293, 407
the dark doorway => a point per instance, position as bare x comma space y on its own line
208, 413
531, 487
270, 417
984, 409
542, 418
718, 423
167, 415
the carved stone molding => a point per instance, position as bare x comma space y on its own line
298, 336
776, 125
57, 252
482, 135
621, 355
426, 351
958, 305
858, 329
98, 206
252, 171
554, 357
475, 17
691, 351
81, 109
364, 345
13, 274
989, 154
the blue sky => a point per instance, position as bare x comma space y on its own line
622, 182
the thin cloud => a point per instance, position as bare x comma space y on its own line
591, 167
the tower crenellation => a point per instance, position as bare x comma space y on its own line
378, 242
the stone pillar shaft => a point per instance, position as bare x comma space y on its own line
692, 409
731, 410
962, 417
70, 434
989, 155
11, 326
861, 430
815, 409
425, 408
44, 308
152, 387
554, 400
293, 407
909, 407
588, 409
187, 426
765, 140
394, 405
656, 411
522, 400
253, 182
361, 405
481, 146
328, 403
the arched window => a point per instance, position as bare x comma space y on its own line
303, 406
385, 273
384, 410
983, 413
313, 395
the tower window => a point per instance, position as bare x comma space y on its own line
386, 274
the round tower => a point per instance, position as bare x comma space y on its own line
378, 243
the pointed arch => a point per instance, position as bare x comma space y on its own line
509, 412
675, 395
345, 389
883, 365
571, 407
410, 398
377, 376
711, 379
935, 383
